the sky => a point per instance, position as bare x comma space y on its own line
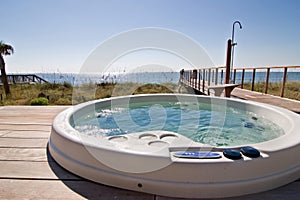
60, 35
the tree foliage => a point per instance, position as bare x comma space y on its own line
5, 50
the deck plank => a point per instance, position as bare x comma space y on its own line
3, 133
25, 119
23, 154
45, 189
25, 127
34, 170
25, 143
288, 192
33, 134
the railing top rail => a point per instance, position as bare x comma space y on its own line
40, 78
247, 68
272, 67
204, 68
27, 76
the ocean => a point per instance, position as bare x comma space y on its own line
154, 77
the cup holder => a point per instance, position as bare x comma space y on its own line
118, 138
148, 136
168, 137
158, 143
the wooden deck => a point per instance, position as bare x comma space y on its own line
289, 104
29, 172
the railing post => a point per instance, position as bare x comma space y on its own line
216, 79
221, 76
181, 75
253, 79
203, 81
206, 75
243, 77
283, 82
199, 79
185, 77
209, 74
234, 75
228, 61
194, 78
189, 78
267, 80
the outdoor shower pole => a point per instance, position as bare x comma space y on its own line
233, 44
228, 60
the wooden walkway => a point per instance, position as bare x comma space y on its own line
29, 172
23, 78
289, 104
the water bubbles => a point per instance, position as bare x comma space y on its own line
248, 125
197, 122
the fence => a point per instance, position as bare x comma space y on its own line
281, 73
200, 79
24, 78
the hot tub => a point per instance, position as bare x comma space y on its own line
166, 162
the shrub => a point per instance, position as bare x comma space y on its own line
63, 101
68, 85
39, 101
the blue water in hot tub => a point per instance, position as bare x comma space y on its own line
215, 125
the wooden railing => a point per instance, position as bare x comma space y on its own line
24, 78
206, 79
267, 70
200, 79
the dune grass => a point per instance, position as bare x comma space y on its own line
66, 94
23, 94
291, 89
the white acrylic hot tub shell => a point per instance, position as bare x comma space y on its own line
136, 165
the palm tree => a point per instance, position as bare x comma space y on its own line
5, 50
